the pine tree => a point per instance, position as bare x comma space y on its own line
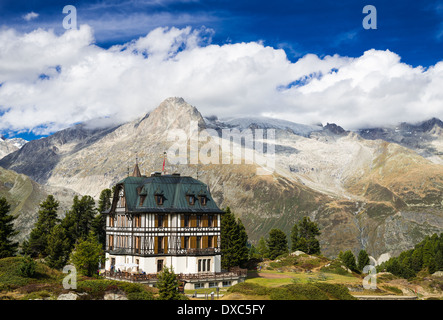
241, 244
262, 248
309, 231
99, 221
233, 241
277, 243
167, 285
87, 255
47, 219
294, 238
59, 247
363, 260
417, 259
348, 259
8, 247
78, 221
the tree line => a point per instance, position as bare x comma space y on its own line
79, 237
426, 256
236, 250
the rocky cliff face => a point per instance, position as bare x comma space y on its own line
364, 189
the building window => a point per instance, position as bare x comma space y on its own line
191, 200
137, 221
199, 242
210, 241
159, 199
160, 221
137, 244
111, 221
199, 220
204, 265
186, 243
142, 199
122, 201
186, 221
160, 245
203, 200
210, 220
199, 285
111, 242
159, 265
227, 283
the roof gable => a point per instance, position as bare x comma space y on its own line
140, 194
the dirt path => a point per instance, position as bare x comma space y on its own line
271, 275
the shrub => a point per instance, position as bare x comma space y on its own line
395, 290
335, 267
298, 292
335, 291
27, 268
249, 289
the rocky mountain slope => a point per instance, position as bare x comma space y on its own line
24, 195
366, 190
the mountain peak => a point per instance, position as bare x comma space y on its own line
172, 113
335, 129
431, 123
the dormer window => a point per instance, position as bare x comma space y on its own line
203, 200
191, 200
159, 199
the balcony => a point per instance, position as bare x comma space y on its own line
232, 274
161, 251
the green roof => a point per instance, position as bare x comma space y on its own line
175, 190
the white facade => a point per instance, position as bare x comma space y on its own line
165, 221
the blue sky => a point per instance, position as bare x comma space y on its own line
413, 30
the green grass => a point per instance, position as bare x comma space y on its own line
11, 278
313, 291
47, 283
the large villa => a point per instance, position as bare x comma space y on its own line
162, 221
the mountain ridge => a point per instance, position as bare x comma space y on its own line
357, 189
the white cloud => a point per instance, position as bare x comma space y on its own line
31, 15
51, 81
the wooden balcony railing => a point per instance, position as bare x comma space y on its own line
153, 277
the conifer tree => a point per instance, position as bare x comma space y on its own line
303, 236
78, 221
233, 241
294, 238
363, 260
262, 248
87, 255
99, 221
348, 259
277, 243
59, 247
8, 247
47, 219
167, 285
